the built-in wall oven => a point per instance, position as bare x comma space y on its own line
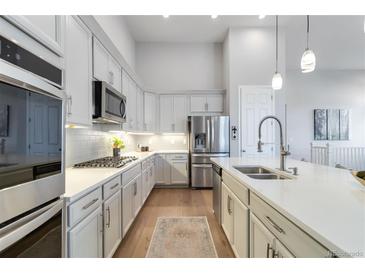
109, 105
32, 178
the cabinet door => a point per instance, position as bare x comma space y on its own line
166, 113
115, 74
101, 59
240, 228
180, 114
145, 184
149, 111
152, 176
227, 212
139, 109
261, 239
198, 103
162, 167
281, 251
132, 105
78, 72
127, 201
125, 82
86, 238
215, 103
137, 199
179, 172
112, 224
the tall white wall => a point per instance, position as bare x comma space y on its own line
323, 89
180, 66
251, 61
117, 30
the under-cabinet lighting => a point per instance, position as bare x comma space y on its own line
166, 16
74, 126
262, 17
140, 133
214, 16
173, 134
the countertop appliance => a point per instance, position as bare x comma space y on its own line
113, 162
109, 105
208, 137
32, 127
217, 192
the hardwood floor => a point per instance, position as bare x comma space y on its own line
171, 202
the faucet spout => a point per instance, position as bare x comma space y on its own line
283, 151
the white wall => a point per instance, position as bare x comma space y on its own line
323, 89
251, 61
180, 66
117, 30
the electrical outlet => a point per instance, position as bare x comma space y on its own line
234, 133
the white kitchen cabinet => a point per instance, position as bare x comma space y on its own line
261, 239
149, 112
131, 105
139, 109
86, 238
152, 176
49, 30
227, 213
112, 224
132, 201
145, 184
162, 170
211, 103
106, 68
137, 199
173, 113
179, 172
78, 72
240, 228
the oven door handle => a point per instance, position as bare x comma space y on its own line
212, 155
201, 165
11, 236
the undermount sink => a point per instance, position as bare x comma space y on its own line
260, 173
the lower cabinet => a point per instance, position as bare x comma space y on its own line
112, 223
235, 216
179, 172
85, 240
162, 169
172, 169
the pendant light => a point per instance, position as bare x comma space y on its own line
277, 80
308, 62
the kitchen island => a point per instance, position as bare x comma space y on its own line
325, 203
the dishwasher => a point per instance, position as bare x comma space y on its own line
217, 192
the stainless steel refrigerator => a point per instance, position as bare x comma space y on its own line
208, 137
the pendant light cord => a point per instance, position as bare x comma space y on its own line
276, 52
307, 32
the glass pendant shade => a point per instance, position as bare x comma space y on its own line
277, 81
308, 62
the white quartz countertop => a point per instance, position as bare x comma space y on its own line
328, 203
80, 181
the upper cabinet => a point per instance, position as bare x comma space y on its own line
173, 113
149, 112
78, 63
47, 29
139, 109
207, 103
106, 68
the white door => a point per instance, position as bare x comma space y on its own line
152, 177
149, 111
137, 195
240, 228
198, 103
101, 59
86, 238
115, 72
227, 212
215, 103
180, 114
139, 109
127, 201
112, 224
166, 113
145, 184
256, 103
281, 251
179, 172
132, 105
261, 239
78, 71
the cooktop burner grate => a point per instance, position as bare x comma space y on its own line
115, 162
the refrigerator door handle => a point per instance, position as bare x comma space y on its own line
212, 132
208, 124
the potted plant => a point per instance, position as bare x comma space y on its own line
118, 144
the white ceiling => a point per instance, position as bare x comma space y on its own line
338, 41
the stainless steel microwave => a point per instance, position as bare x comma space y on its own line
109, 105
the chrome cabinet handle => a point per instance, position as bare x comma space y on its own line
274, 225
69, 105
108, 211
268, 248
90, 204
135, 189
114, 186
229, 205
275, 254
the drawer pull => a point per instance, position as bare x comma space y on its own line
90, 204
108, 215
274, 225
268, 248
114, 186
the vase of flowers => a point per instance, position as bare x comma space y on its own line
118, 144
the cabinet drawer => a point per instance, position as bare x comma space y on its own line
297, 241
131, 174
83, 207
112, 186
236, 187
177, 157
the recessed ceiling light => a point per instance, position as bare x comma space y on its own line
166, 16
262, 17
214, 16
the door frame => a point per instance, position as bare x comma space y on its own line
241, 90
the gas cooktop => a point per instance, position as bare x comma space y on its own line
115, 162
